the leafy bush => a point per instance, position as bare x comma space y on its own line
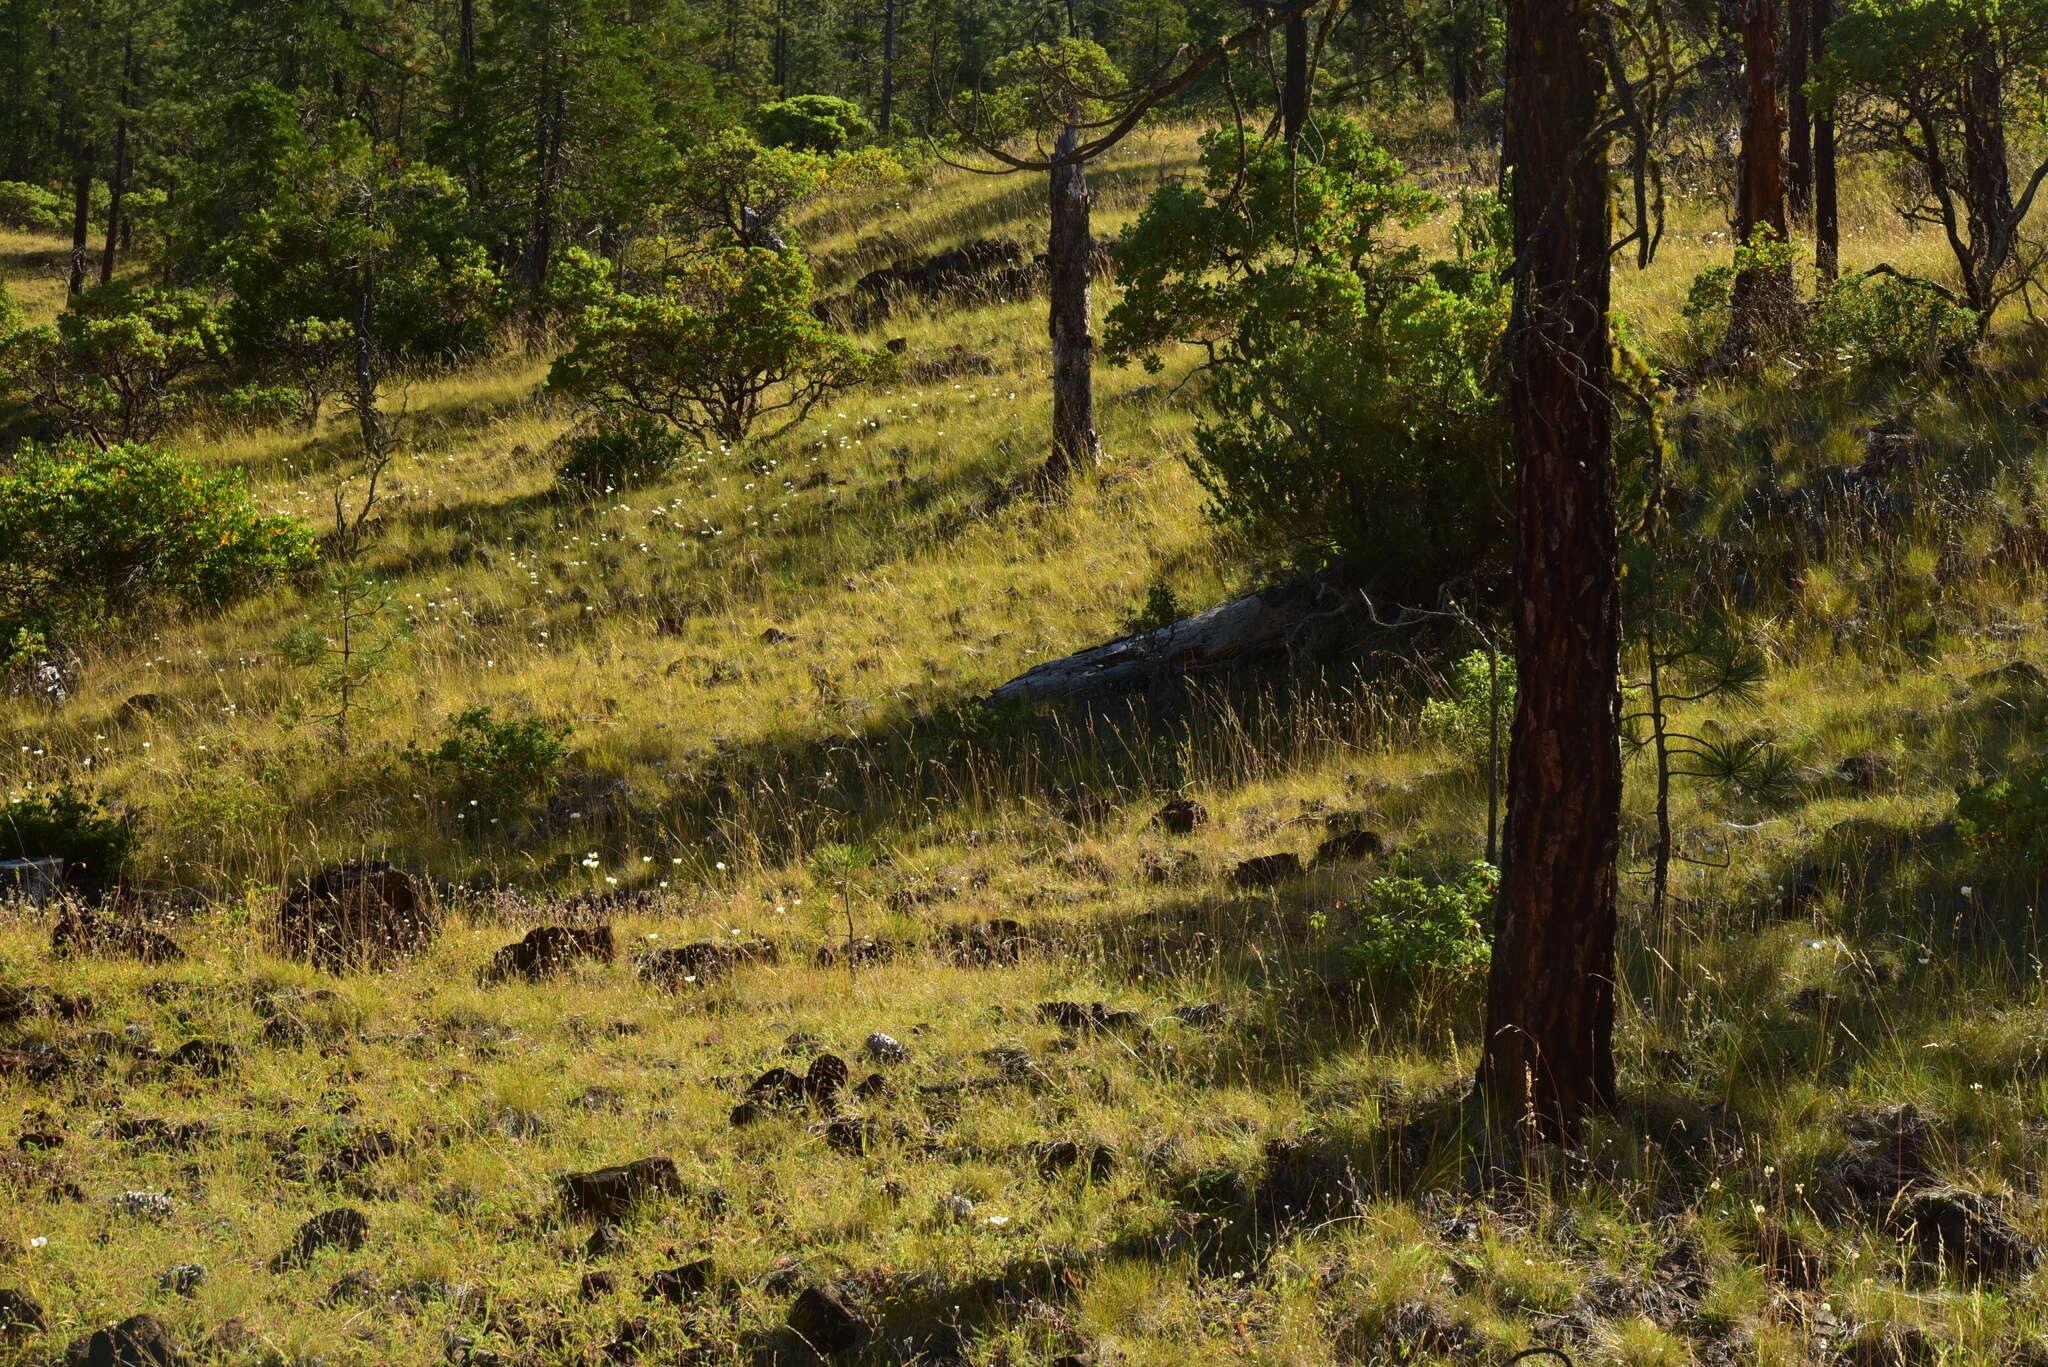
1162, 607
118, 363
29, 208
729, 340
813, 123
739, 192
1351, 409
499, 764
2006, 816
71, 824
1462, 720
1415, 929
89, 535
622, 452
1886, 322
1872, 321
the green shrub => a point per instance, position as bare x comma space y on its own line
29, 208
2006, 816
1461, 720
496, 764
1412, 929
813, 123
120, 362
88, 536
1351, 409
1885, 322
72, 824
728, 341
1162, 607
622, 452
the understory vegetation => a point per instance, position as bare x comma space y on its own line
1133, 1032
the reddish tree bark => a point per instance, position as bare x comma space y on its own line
1068, 250
1763, 294
1294, 81
1548, 1052
1798, 120
1827, 232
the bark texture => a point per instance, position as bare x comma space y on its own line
1073, 339
1548, 1055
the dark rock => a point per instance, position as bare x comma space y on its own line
606, 1241
184, 1279
343, 1228
1864, 773
1266, 871
1890, 1345
231, 1339
596, 1286
704, 961
679, 1285
2012, 674
776, 636
19, 1313
38, 1141
996, 941
609, 1193
1169, 866
823, 1321
152, 1134
1076, 1018
356, 916
138, 1341
1350, 847
631, 1336
37, 1061
360, 1152
206, 1057
872, 1086
881, 1048
357, 1287
1966, 1232
1064, 1155
1200, 1015
139, 705
547, 951
847, 1134
1789, 1260
1181, 816
1887, 1155
861, 949
84, 931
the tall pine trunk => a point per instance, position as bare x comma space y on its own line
1827, 230
1762, 300
1069, 248
1548, 1050
1986, 164
1798, 119
888, 70
1294, 80
81, 213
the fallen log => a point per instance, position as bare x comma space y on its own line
1228, 634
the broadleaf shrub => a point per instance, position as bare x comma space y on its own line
622, 451
88, 536
2006, 816
1461, 720
72, 824
498, 763
1414, 929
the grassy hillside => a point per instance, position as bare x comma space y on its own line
772, 667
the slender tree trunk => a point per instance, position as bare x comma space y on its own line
1988, 171
1549, 1056
1294, 81
888, 70
1798, 119
118, 188
1827, 232
465, 44
1073, 341
1762, 299
81, 212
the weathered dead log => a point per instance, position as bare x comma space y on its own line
1271, 619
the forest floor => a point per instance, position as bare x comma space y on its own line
1833, 1044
